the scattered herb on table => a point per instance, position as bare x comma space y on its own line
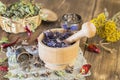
4, 40
35, 74
24, 42
2, 59
59, 73
5, 45
25, 75
69, 69
46, 74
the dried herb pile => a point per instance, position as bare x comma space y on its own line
20, 9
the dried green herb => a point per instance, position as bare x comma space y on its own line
4, 40
59, 73
116, 18
21, 9
2, 8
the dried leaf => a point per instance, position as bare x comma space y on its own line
4, 40
8, 75
46, 74
60, 73
69, 69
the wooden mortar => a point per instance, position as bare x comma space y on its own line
60, 58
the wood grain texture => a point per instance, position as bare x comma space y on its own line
105, 66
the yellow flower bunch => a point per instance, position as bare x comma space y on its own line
100, 20
106, 29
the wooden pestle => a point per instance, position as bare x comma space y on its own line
88, 30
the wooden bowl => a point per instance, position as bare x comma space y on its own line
57, 58
18, 25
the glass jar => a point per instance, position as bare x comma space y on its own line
71, 21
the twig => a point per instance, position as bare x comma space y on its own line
102, 43
106, 48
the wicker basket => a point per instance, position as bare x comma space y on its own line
18, 25
57, 58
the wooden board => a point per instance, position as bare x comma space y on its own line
105, 66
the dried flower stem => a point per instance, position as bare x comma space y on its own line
106, 48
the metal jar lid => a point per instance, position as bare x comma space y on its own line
71, 21
72, 18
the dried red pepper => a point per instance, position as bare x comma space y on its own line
93, 48
3, 68
85, 69
5, 45
36, 40
29, 32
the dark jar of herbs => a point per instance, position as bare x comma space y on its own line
71, 21
22, 55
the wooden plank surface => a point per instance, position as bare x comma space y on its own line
105, 66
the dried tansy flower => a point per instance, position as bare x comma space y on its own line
111, 32
99, 21
106, 29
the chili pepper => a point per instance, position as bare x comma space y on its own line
93, 48
36, 40
3, 68
5, 45
29, 32
85, 69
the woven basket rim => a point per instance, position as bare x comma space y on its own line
20, 18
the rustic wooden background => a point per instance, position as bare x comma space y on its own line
105, 66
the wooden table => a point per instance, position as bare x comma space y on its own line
105, 66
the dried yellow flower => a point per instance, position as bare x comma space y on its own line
100, 20
106, 29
